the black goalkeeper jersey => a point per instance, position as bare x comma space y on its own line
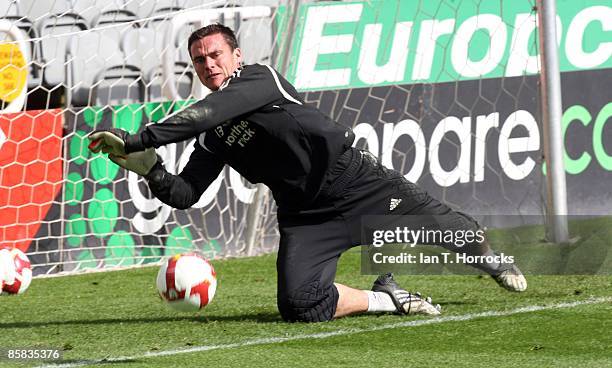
257, 124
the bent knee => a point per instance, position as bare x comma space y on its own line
310, 302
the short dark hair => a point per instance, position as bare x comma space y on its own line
212, 29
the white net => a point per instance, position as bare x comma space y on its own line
450, 78
448, 93
74, 66
444, 91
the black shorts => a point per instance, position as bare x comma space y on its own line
312, 240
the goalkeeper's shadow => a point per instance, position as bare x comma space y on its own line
204, 318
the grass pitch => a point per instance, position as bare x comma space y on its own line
114, 315
117, 319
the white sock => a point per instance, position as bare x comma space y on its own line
379, 302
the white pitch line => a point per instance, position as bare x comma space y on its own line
324, 335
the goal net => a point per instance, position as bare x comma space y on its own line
70, 67
445, 92
448, 93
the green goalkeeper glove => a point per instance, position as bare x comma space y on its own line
139, 162
108, 141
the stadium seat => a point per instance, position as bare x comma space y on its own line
113, 16
113, 24
89, 9
256, 37
184, 76
200, 5
161, 14
136, 45
159, 23
146, 8
53, 44
89, 57
86, 9
118, 85
37, 10
9, 8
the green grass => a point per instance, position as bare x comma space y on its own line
109, 315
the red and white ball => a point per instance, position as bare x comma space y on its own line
15, 271
187, 282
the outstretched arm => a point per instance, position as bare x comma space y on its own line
247, 90
184, 190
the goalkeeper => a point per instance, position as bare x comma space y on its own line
255, 121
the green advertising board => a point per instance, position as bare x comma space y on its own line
390, 42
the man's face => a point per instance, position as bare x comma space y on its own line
213, 60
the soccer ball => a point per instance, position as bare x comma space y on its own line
187, 282
15, 271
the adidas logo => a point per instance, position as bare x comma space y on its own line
394, 203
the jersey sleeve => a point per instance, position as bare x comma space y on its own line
184, 190
247, 90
